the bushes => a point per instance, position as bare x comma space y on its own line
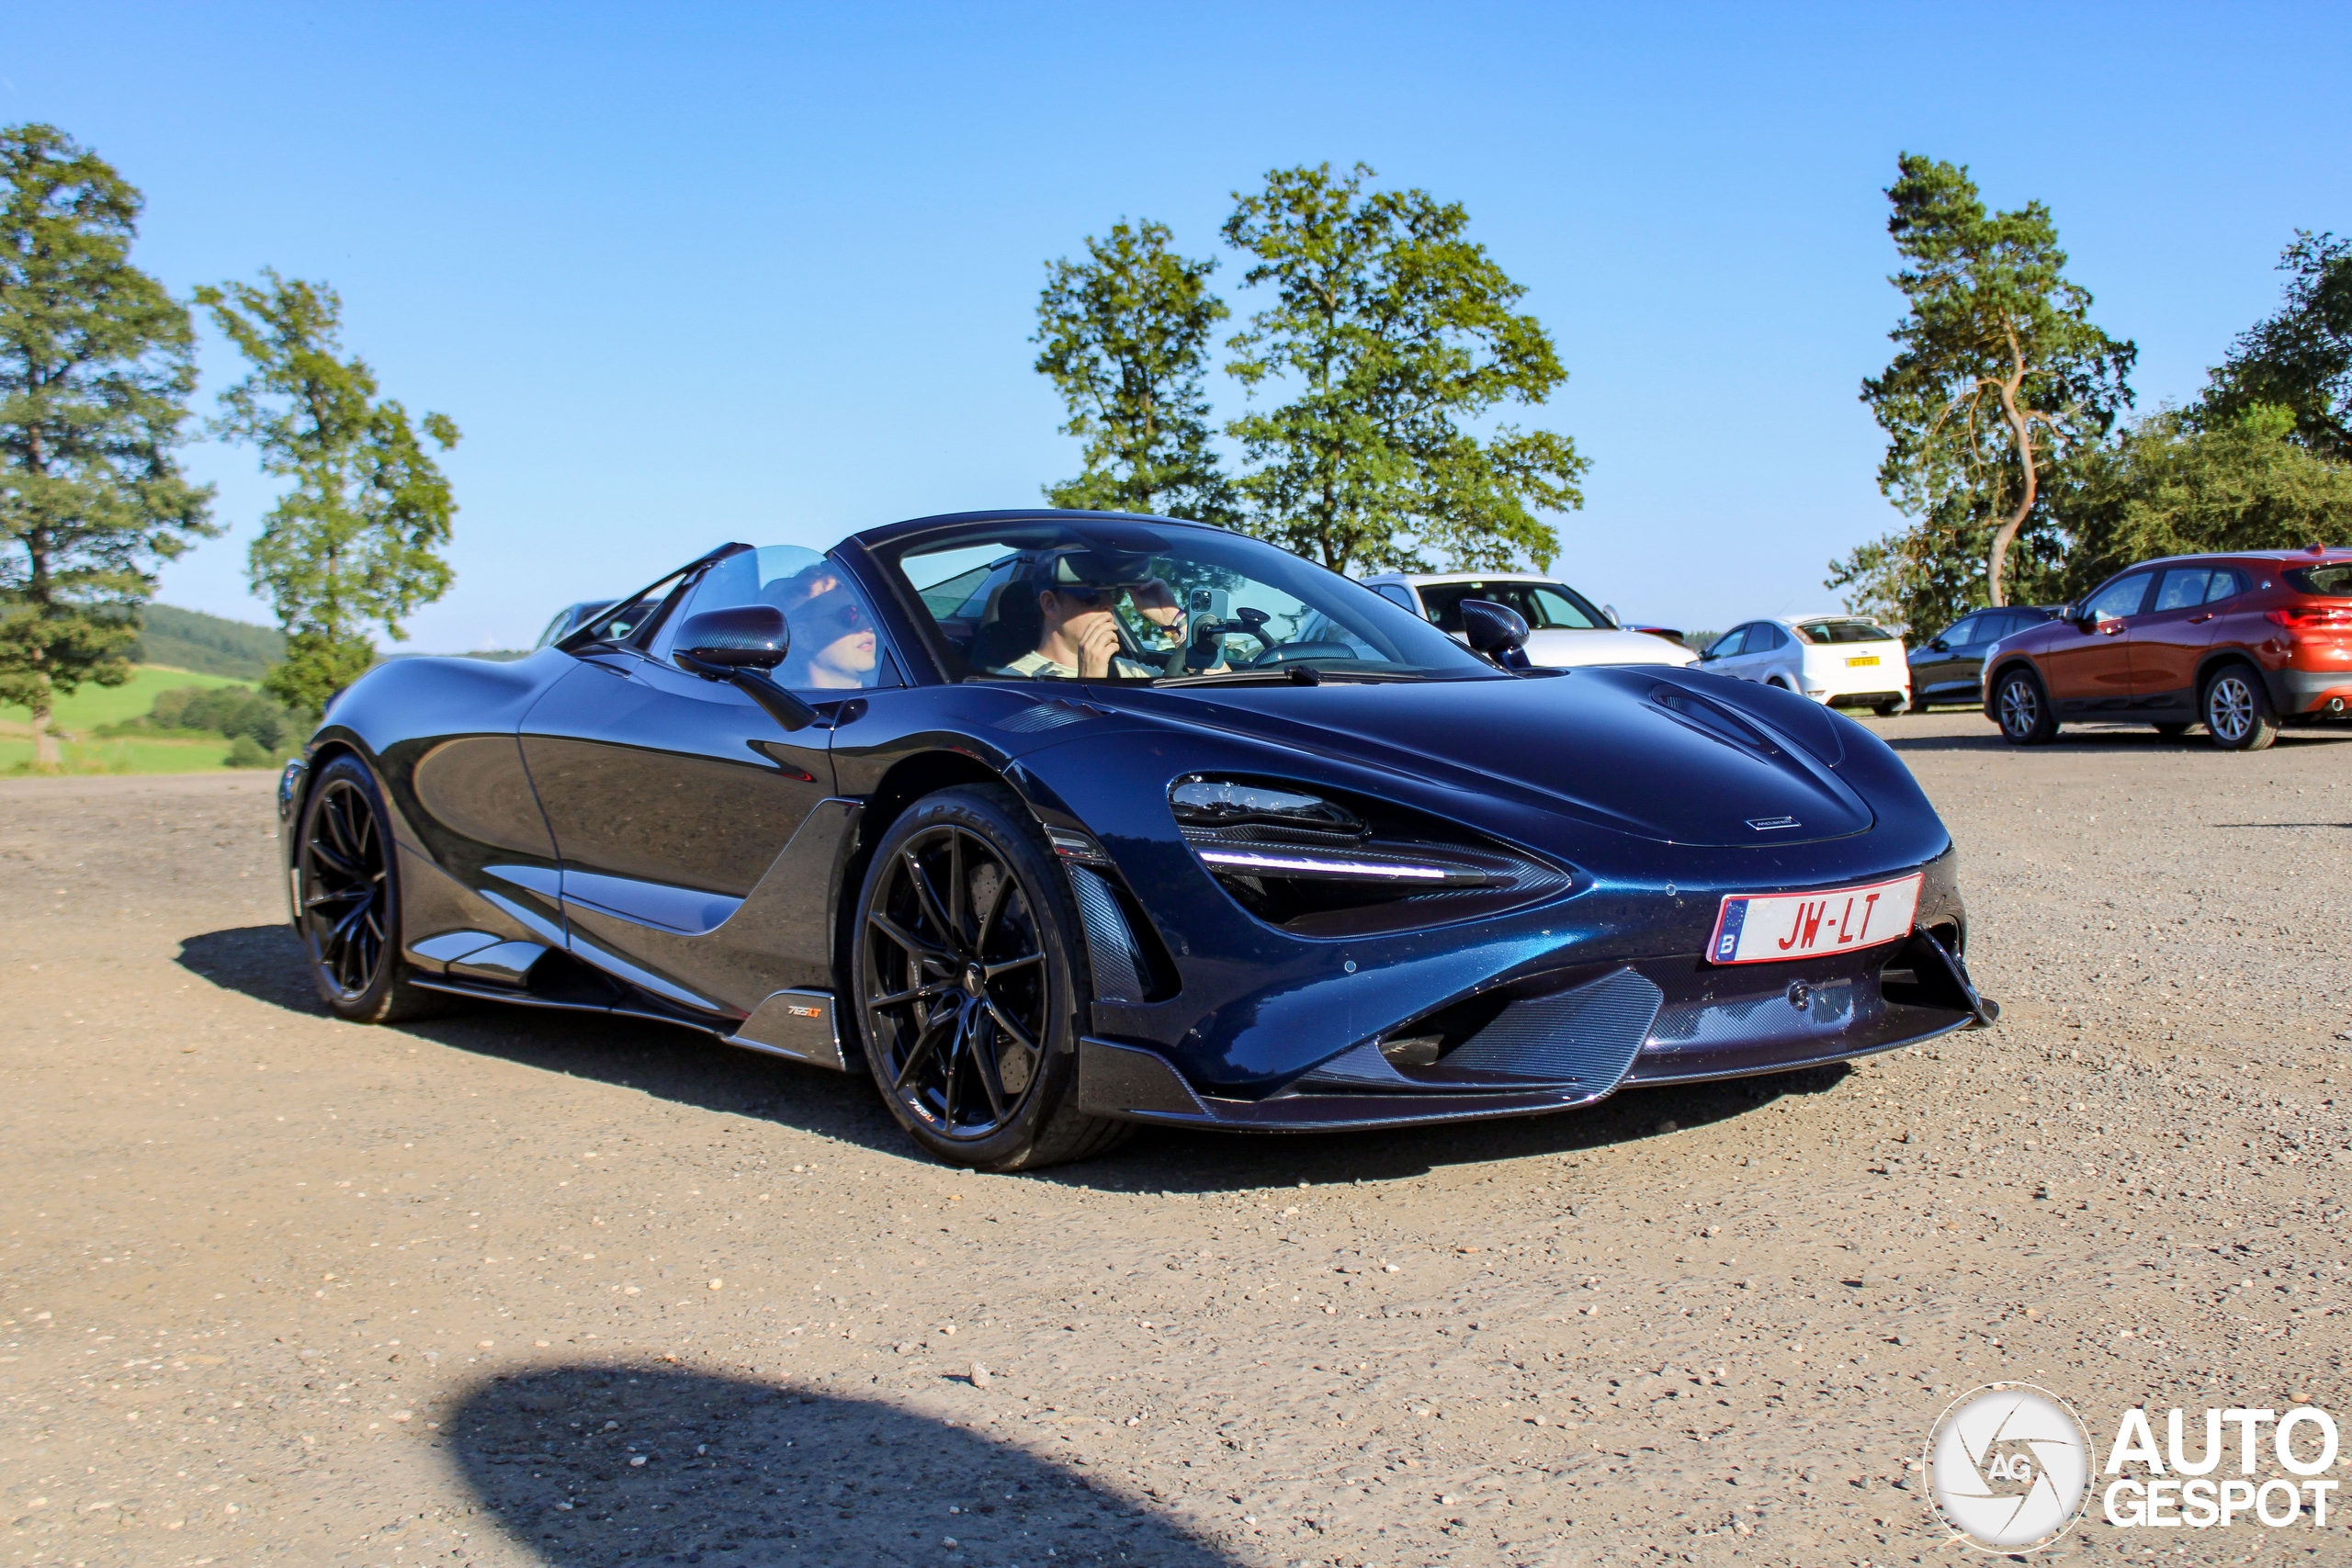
262, 730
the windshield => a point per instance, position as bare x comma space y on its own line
1844, 631
1102, 600
1545, 606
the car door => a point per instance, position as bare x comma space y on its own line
2168, 641
2088, 664
1772, 652
1724, 654
673, 799
1967, 675
1936, 667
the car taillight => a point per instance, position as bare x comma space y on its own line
2311, 618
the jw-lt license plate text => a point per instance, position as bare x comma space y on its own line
1766, 928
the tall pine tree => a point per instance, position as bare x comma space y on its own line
97, 367
1999, 375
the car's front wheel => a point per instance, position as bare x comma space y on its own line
2238, 714
2022, 709
346, 882
968, 972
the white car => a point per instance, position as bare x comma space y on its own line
1840, 659
1564, 630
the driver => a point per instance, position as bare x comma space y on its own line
1078, 635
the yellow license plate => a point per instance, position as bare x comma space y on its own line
1857, 663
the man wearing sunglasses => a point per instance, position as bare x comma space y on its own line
1078, 637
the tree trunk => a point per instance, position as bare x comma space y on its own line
45, 751
2022, 427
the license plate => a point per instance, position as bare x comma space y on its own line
1860, 660
1768, 928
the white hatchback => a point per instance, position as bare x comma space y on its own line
1564, 630
1840, 659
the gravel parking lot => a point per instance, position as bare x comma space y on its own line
522, 1287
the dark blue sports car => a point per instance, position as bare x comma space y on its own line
1057, 822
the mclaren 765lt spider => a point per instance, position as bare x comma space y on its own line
1058, 822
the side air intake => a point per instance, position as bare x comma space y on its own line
1120, 969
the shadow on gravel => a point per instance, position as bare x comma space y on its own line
739, 1473
689, 1067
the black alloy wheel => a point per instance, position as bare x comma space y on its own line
2022, 710
966, 976
2238, 714
348, 891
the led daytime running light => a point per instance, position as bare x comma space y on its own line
1369, 870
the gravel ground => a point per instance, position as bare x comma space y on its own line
521, 1288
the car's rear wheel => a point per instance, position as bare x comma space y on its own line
1888, 710
2238, 714
348, 894
968, 974
2022, 710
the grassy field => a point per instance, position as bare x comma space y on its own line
142, 756
95, 705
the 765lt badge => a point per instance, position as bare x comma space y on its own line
1768, 928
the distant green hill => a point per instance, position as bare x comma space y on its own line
210, 645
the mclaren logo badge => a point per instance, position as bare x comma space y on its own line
1773, 824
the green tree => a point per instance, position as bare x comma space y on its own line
1389, 330
1999, 375
356, 542
2179, 482
2299, 359
97, 367
1125, 338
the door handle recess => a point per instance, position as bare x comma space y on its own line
2200, 620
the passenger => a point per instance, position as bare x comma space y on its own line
1156, 602
833, 636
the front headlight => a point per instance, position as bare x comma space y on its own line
1228, 803
1325, 867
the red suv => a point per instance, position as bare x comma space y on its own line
2241, 643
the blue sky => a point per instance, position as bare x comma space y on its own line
686, 274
